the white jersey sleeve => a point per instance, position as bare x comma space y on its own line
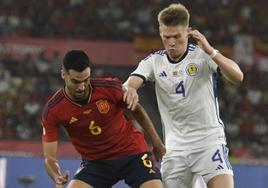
210, 62
146, 67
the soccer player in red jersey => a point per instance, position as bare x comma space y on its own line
92, 112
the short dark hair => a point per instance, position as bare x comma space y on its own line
76, 60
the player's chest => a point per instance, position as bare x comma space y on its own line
97, 112
177, 78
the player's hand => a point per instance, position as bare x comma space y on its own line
61, 180
201, 40
159, 151
131, 97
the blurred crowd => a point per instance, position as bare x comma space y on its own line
123, 20
26, 84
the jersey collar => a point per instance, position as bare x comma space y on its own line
76, 103
181, 58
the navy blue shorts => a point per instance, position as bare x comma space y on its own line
134, 169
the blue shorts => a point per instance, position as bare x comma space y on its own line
134, 169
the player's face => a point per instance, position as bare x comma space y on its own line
175, 40
77, 84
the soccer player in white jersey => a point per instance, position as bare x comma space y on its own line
185, 85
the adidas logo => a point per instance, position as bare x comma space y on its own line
163, 74
73, 120
219, 167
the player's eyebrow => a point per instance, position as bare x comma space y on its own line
80, 81
173, 36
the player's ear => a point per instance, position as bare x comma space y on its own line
189, 29
62, 74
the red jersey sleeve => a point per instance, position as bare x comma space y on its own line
50, 124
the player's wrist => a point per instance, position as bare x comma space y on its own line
125, 89
57, 179
214, 53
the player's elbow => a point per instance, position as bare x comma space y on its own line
238, 78
241, 77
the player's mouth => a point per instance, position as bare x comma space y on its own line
80, 93
172, 52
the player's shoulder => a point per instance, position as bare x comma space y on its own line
192, 47
106, 82
56, 98
155, 54
159, 53
195, 49
54, 101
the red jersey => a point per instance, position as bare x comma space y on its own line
98, 129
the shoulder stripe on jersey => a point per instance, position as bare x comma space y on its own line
191, 47
55, 99
45, 112
113, 82
116, 86
160, 52
108, 86
105, 81
53, 102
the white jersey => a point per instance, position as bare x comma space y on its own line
186, 98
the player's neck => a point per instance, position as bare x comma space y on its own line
179, 57
82, 101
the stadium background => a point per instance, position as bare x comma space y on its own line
34, 34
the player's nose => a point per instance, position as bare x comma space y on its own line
172, 43
81, 87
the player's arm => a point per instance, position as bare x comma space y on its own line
52, 165
227, 66
143, 119
131, 86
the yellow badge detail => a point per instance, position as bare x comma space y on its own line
73, 120
152, 171
87, 111
103, 106
192, 69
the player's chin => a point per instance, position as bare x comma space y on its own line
172, 54
79, 96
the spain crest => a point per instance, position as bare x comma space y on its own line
103, 106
